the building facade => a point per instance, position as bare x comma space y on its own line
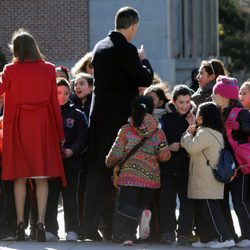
177, 34
60, 27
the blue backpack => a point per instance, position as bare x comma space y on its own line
225, 170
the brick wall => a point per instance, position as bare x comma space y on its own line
60, 27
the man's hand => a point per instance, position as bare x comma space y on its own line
142, 53
68, 152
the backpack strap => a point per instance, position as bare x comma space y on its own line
234, 113
232, 116
215, 138
208, 162
132, 151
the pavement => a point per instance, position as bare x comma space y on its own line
63, 245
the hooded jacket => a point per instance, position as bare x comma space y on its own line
142, 168
76, 135
174, 126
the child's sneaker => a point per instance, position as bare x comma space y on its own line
199, 244
184, 240
144, 228
243, 243
71, 236
51, 237
224, 244
167, 238
128, 243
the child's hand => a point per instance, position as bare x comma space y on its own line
191, 129
68, 152
191, 119
115, 174
175, 146
231, 124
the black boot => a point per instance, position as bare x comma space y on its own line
20, 235
40, 233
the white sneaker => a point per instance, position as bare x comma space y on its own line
71, 236
224, 244
144, 228
243, 243
51, 237
128, 243
199, 244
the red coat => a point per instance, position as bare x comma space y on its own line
32, 123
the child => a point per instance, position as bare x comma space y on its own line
81, 97
159, 98
226, 95
174, 173
140, 174
83, 87
62, 71
75, 129
206, 142
208, 72
244, 95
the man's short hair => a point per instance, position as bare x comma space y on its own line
125, 17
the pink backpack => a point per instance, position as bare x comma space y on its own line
241, 151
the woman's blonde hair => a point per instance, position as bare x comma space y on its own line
24, 47
81, 65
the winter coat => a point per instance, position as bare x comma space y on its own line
174, 127
79, 105
118, 72
202, 183
241, 135
142, 168
32, 121
203, 94
76, 135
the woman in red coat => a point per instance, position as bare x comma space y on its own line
32, 126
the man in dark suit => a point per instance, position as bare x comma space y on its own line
119, 69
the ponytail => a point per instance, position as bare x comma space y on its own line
141, 106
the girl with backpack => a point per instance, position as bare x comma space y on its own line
226, 96
202, 143
140, 173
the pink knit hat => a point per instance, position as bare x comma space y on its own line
226, 87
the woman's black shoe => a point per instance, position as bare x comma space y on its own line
20, 235
40, 233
